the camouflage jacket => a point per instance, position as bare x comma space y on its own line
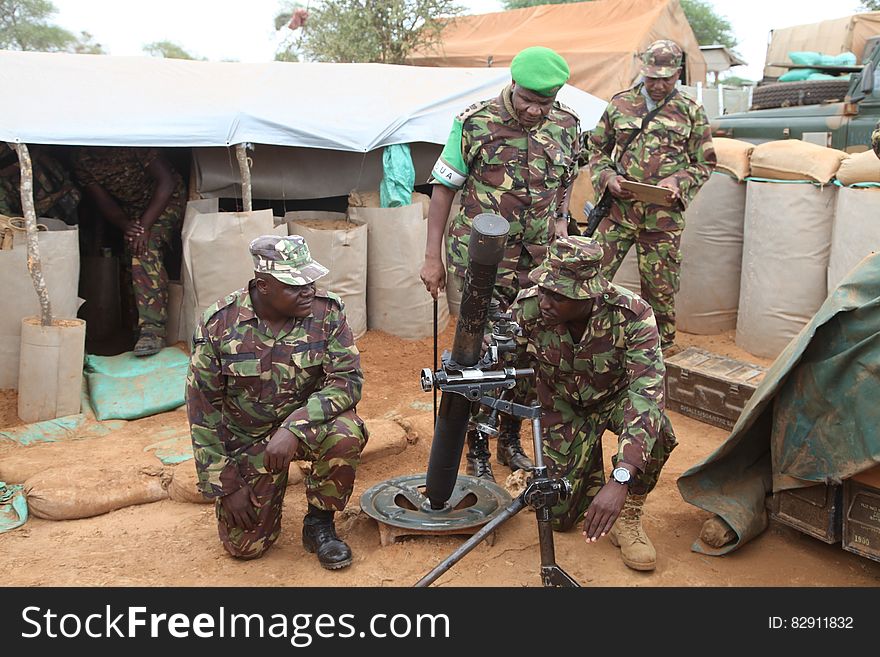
122, 172
244, 383
616, 362
676, 146
504, 168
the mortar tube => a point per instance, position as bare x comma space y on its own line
488, 240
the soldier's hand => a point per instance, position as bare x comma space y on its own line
138, 245
241, 507
280, 450
673, 190
433, 275
603, 511
618, 191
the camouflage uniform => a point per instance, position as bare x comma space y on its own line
875, 140
676, 146
506, 169
122, 172
609, 378
245, 382
55, 195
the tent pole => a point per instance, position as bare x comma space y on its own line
30, 221
244, 166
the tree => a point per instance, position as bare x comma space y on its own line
384, 31
85, 45
870, 5
709, 27
24, 26
167, 49
519, 4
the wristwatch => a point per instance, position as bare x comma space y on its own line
621, 475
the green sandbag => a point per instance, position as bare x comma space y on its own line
398, 177
13, 507
798, 74
127, 387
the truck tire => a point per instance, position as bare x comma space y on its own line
808, 92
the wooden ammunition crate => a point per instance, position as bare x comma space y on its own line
814, 510
861, 518
709, 387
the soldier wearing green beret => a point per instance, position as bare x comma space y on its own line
275, 376
674, 150
596, 353
516, 156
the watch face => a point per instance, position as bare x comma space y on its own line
621, 475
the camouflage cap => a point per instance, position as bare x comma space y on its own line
286, 258
572, 268
539, 69
661, 59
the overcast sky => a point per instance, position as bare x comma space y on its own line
243, 29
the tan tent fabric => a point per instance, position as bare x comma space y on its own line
831, 37
601, 40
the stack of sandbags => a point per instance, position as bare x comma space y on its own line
859, 168
340, 244
793, 159
733, 157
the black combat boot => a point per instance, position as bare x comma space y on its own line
319, 535
478, 456
510, 451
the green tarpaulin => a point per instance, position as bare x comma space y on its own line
814, 418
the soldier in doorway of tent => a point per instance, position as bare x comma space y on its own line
516, 156
596, 353
138, 191
674, 150
275, 376
55, 195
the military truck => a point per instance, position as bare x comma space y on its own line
836, 113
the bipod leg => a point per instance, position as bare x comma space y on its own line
551, 574
511, 510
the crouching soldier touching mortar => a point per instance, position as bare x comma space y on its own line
275, 376
596, 353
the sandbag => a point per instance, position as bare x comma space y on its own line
184, 485
628, 273
859, 168
733, 156
856, 231
127, 387
793, 159
59, 257
397, 301
340, 244
216, 256
711, 247
66, 493
786, 246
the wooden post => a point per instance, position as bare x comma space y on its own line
244, 166
30, 222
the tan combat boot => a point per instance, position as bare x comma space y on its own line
636, 548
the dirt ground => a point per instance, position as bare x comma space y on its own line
169, 543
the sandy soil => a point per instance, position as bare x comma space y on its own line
170, 543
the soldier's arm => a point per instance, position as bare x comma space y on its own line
162, 174
642, 409
343, 378
218, 474
701, 159
600, 145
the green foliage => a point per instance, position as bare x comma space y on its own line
384, 31
168, 50
85, 45
24, 26
735, 81
519, 4
870, 5
709, 28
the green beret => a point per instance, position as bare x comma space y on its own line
540, 69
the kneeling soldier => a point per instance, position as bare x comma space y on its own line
275, 376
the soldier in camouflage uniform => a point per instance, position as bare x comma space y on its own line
515, 156
138, 191
55, 195
275, 376
673, 151
598, 365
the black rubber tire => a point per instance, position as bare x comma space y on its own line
807, 92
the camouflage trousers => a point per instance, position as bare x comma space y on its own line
659, 255
573, 450
334, 450
149, 278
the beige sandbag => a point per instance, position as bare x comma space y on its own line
66, 493
711, 248
340, 244
397, 301
387, 438
183, 486
856, 231
59, 256
859, 168
733, 156
786, 244
628, 273
793, 159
